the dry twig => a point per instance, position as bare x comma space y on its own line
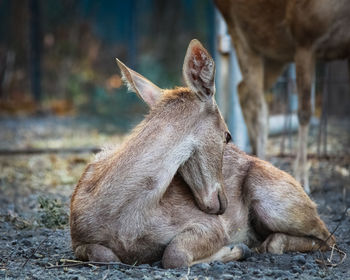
73, 263
342, 255
36, 249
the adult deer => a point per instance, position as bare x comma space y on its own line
121, 211
267, 34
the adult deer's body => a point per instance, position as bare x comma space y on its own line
115, 208
127, 211
267, 34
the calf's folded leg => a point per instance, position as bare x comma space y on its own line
96, 253
228, 254
278, 243
200, 243
279, 205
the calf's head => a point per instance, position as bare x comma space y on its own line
196, 117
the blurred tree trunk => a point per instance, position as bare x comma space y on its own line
35, 39
2, 71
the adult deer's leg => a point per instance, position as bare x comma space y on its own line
304, 62
95, 252
199, 243
272, 70
251, 96
258, 77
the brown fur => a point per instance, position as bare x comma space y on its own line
267, 208
267, 34
115, 206
149, 200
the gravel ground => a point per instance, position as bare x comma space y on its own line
34, 198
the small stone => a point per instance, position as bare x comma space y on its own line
226, 276
280, 273
300, 259
218, 265
202, 266
38, 256
310, 265
231, 263
296, 269
26, 242
252, 259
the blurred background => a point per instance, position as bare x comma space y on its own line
58, 57
62, 98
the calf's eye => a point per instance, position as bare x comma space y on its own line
227, 137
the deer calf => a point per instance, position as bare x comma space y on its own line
162, 195
117, 210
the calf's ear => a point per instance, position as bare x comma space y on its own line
144, 88
199, 70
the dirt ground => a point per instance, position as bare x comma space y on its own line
35, 190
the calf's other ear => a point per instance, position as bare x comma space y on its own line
144, 88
